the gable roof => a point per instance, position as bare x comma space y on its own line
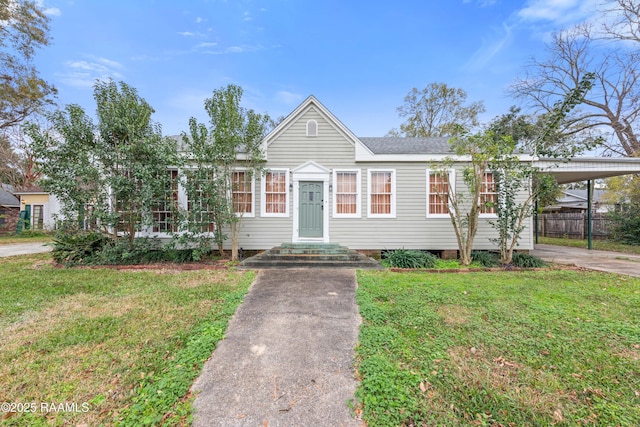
293, 116
402, 145
581, 195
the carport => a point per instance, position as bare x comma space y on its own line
586, 169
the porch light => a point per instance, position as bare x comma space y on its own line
330, 188
290, 186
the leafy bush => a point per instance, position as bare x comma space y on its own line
32, 233
485, 258
626, 225
407, 258
523, 260
73, 247
142, 250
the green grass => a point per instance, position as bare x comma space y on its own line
601, 245
24, 238
499, 349
126, 344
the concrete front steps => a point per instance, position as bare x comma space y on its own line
307, 255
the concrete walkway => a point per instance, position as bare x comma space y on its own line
611, 262
12, 249
287, 359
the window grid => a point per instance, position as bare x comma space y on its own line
163, 212
488, 195
37, 217
242, 195
381, 193
438, 193
346, 192
201, 213
276, 192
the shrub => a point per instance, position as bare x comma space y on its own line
144, 251
141, 251
526, 261
625, 227
406, 258
32, 233
485, 258
72, 247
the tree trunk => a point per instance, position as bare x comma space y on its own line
235, 227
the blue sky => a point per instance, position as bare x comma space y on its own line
359, 58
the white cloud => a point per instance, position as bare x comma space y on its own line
109, 63
206, 44
50, 11
186, 33
225, 50
246, 16
491, 47
559, 12
288, 98
199, 20
84, 73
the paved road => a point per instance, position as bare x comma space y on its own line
287, 359
12, 249
612, 262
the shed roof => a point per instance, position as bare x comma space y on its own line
9, 200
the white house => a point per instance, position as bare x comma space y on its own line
323, 184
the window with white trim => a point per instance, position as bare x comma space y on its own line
312, 128
346, 193
200, 203
488, 195
275, 193
439, 183
242, 192
165, 209
382, 193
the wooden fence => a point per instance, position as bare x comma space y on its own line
573, 225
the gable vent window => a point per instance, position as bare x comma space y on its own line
312, 128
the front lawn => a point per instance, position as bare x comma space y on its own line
499, 349
600, 245
6, 239
107, 347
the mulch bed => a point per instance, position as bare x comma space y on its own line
222, 264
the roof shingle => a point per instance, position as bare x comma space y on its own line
395, 145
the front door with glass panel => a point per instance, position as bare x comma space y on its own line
311, 209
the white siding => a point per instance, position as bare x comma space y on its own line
332, 149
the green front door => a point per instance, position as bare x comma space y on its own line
311, 208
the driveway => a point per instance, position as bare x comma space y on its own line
611, 262
12, 249
287, 358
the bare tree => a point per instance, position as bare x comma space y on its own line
612, 105
437, 110
626, 22
18, 166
